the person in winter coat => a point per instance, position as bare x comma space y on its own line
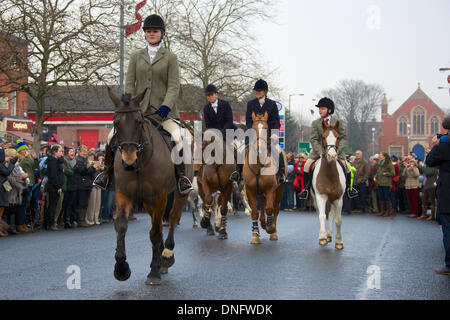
5, 171
18, 180
383, 180
84, 175
70, 191
429, 190
440, 156
411, 175
54, 184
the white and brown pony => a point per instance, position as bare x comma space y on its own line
328, 186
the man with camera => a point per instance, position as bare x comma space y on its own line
440, 156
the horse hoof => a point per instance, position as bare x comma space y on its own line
217, 229
247, 213
163, 270
339, 246
222, 235
329, 239
195, 226
204, 223
122, 273
255, 240
153, 281
323, 242
168, 258
274, 237
210, 232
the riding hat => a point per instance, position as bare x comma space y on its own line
211, 89
326, 102
154, 21
261, 85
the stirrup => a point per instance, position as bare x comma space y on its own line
98, 182
352, 193
188, 190
235, 176
304, 197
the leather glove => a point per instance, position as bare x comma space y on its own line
163, 111
14, 160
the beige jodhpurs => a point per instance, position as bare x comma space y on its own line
309, 162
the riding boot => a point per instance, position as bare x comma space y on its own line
351, 192
387, 211
281, 167
307, 180
104, 178
236, 175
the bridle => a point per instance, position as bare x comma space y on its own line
139, 144
326, 148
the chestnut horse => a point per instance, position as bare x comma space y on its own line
143, 172
214, 177
262, 179
328, 186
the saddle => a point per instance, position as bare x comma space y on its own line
167, 137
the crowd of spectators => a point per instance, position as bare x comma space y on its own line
386, 185
51, 190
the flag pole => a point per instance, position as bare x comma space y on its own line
122, 49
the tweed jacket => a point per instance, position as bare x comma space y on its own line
411, 178
161, 79
316, 138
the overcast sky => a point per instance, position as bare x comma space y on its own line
394, 43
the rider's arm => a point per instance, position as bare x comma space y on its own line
316, 140
248, 116
208, 123
342, 137
173, 82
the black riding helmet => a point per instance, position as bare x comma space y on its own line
155, 21
326, 102
261, 85
211, 89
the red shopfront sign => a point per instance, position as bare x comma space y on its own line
14, 125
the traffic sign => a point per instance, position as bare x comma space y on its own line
304, 147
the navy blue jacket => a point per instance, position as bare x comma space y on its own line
270, 107
440, 156
222, 120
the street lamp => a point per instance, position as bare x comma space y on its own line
292, 95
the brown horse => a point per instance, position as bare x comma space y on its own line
143, 172
214, 177
259, 180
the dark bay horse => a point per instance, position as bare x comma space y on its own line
328, 186
264, 184
143, 172
214, 177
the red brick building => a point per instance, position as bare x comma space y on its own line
411, 127
13, 102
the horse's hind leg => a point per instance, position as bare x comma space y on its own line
262, 215
156, 237
270, 197
121, 270
223, 200
208, 205
276, 210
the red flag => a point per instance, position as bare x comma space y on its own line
136, 26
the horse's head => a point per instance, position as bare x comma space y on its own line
260, 124
330, 141
128, 126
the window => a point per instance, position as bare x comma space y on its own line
403, 126
418, 124
434, 126
397, 150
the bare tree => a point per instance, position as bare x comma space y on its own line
356, 103
68, 42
